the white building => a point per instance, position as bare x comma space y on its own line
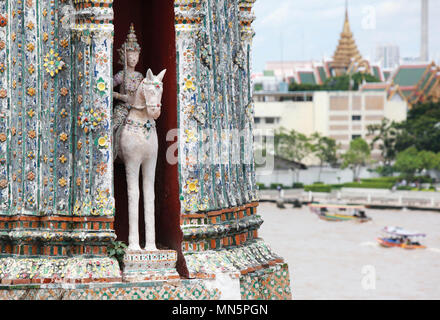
341, 115
388, 56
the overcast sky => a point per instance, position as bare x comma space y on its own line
310, 29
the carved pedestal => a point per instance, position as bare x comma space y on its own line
145, 265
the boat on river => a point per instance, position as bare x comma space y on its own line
399, 237
339, 212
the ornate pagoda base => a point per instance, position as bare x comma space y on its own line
44, 270
149, 265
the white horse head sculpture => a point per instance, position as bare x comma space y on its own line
138, 148
149, 93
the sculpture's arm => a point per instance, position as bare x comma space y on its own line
118, 79
123, 97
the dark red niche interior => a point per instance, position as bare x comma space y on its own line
154, 25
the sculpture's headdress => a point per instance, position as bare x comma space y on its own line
131, 44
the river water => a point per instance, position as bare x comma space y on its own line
342, 260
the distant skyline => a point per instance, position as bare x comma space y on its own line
309, 30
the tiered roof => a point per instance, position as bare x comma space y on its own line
307, 77
346, 51
417, 83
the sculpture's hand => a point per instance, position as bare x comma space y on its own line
122, 97
154, 112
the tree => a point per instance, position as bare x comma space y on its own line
428, 160
357, 156
325, 149
340, 83
385, 135
292, 145
421, 129
343, 82
408, 162
258, 87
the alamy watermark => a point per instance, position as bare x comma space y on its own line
368, 21
224, 147
368, 280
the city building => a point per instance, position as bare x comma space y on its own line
341, 115
388, 56
424, 45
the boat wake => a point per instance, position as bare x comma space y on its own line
369, 244
434, 250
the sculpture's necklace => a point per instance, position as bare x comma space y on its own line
146, 127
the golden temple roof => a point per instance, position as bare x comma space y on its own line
347, 49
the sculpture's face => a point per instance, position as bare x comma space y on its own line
153, 88
132, 58
153, 92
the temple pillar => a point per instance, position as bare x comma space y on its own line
57, 206
218, 192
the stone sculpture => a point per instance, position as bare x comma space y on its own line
136, 140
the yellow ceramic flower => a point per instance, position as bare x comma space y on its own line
31, 69
62, 182
31, 92
192, 185
190, 135
63, 137
63, 159
64, 43
189, 84
30, 47
101, 86
102, 142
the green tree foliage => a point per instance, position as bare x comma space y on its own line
384, 137
293, 86
340, 83
292, 145
421, 129
408, 162
411, 162
258, 87
325, 149
357, 156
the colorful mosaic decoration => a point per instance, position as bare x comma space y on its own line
217, 177
213, 42
272, 283
152, 290
51, 169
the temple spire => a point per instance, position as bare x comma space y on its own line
346, 22
346, 50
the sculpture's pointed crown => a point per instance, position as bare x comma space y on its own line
131, 44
